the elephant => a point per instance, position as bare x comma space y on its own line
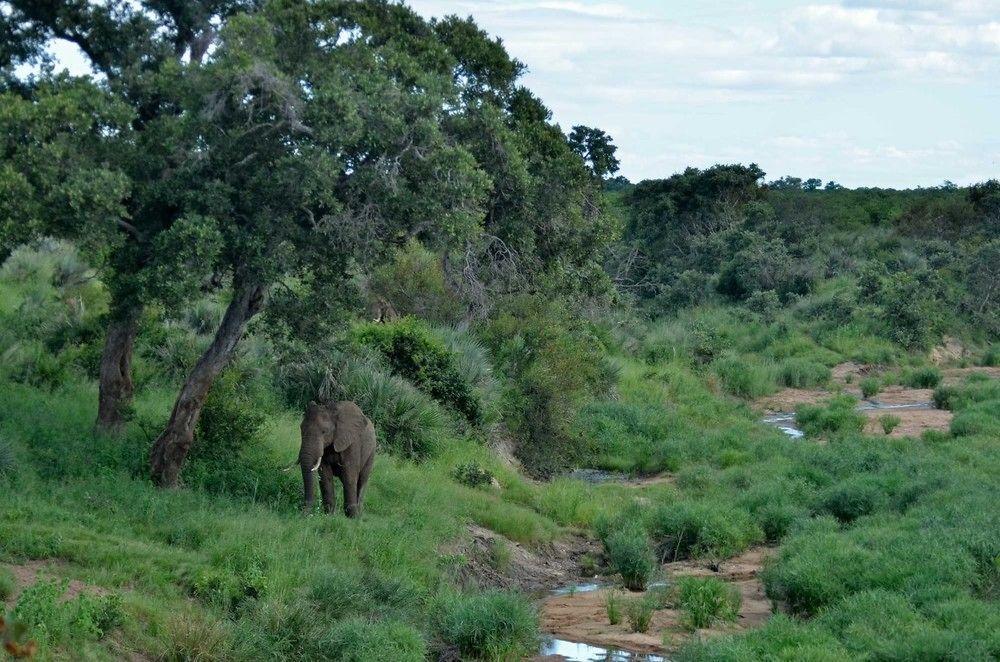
337, 439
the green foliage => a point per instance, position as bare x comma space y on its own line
414, 353
488, 626
8, 463
553, 362
361, 640
473, 475
630, 554
991, 357
53, 621
889, 422
613, 607
802, 373
870, 387
853, 497
706, 601
744, 377
838, 416
7, 584
229, 455
925, 377
639, 612
34, 365
703, 528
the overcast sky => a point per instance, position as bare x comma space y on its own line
865, 92
898, 93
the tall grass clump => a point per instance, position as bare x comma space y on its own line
490, 626
639, 611
870, 386
838, 416
362, 640
802, 373
743, 377
707, 600
702, 529
630, 553
7, 584
925, 377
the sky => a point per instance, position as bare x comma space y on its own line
898, 93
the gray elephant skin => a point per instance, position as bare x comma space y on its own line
337, 440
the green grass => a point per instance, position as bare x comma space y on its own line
706, 601
490, 626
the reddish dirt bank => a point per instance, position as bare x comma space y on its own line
582, 616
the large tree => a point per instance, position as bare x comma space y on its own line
142, 55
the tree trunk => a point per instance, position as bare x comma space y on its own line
170, 449
115, 392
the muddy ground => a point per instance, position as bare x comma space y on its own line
582, 616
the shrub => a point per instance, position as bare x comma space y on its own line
889, 422
406, 420
707, 600
781, 638
361, 640
991, 357
802, 373
50, 620
630, 555
8, 462
472, 475
414, 353
766, 303
744, 378
34, 365
977, 419
870, 386
837, 417
7, 584
926, 377
639, 612
613, 607
491, 625
702, 529
853, 497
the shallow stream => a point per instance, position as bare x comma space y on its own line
785, 420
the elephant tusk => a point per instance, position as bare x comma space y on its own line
317, 464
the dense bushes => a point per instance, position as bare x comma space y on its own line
490, 626
802, 373
705, 528
414, 353
839, 416
629, 553
707, 600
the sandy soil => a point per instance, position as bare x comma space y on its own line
913, 422
582, 616
524, 569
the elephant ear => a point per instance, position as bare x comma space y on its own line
351, 425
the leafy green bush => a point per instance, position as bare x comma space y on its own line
472, 475
853, 497
639, 612
630, 555
925, 377
802, 373
977, 419
229, 455
991, 357
52, 621
7, 584
705, 528
553, 362
8, 463
781, 638
956, 398
889, 422
839, 416
707, 600
33, 364
490, 625
416, 354
870, 386
744, 378
406, 420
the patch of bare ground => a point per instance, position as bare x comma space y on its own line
958, 375
492, 561
912, 422
582, 616
26, 574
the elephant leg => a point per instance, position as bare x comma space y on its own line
326, 487
366, 471
349, 477
308, 483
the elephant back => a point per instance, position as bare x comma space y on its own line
352, 426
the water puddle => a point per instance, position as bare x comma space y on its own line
785, 421
576, 588
577, 652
